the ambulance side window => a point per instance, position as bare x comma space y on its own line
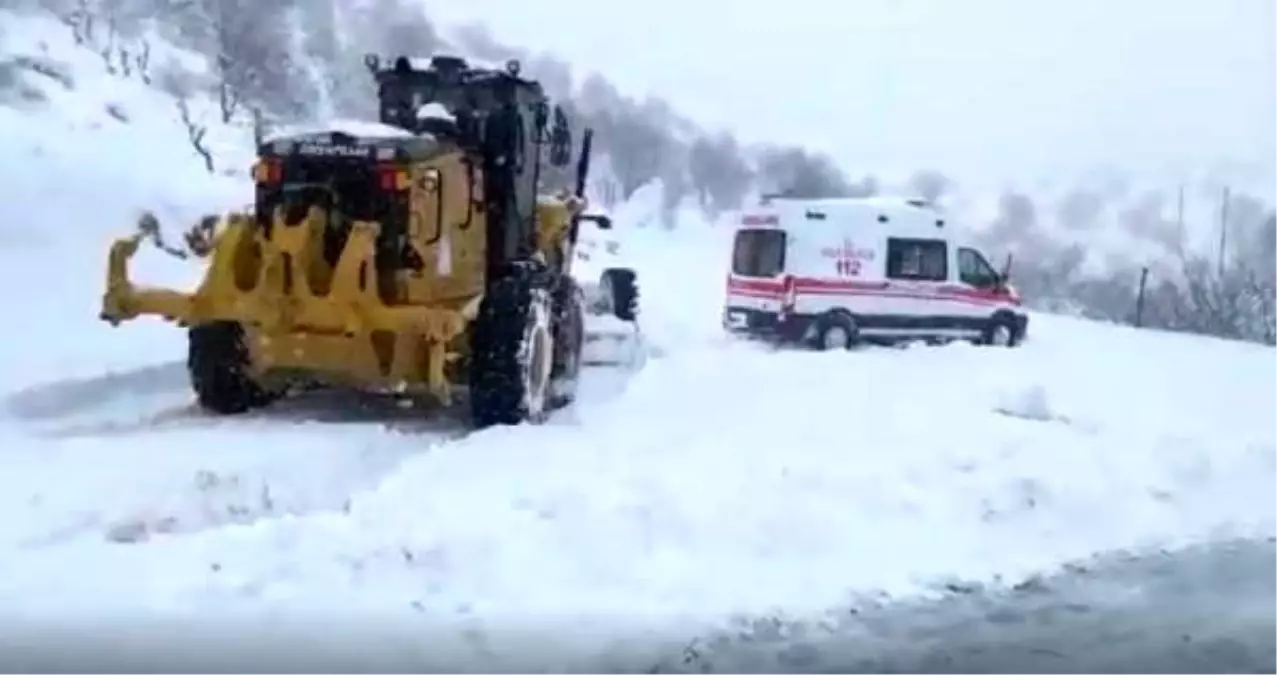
917, 259
758, 253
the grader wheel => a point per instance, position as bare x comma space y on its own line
217, 360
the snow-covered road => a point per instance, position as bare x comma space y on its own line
1203, 609
724, 479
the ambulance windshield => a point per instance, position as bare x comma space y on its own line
759, 253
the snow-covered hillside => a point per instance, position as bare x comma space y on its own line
723, 479
82, 157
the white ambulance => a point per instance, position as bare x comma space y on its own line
833, 272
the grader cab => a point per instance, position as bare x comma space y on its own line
414, 255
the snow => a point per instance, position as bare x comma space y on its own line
723, 478
425, 63
435, 111
63, 160
356, 128
710, 487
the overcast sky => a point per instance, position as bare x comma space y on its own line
980, 87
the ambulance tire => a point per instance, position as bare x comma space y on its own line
1001, 331
835, 330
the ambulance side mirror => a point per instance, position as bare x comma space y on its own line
1005, 274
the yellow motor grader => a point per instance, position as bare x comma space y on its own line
415, 255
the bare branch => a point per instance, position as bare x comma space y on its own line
107, 50
76, 19
144, 61
148, 226
86, 20
195, 132
227, 100
259, 127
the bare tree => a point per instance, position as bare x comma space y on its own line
867, 186
797, 172
274, 56
399, 28
195, 132
80, 20
930, 184
107, 49
675, 184
638, 148
718, 172
1017, 216
476, 40
1080, 209
143, 61
248, 44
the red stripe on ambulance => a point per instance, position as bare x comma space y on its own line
775, 290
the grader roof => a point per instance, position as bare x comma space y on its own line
462, 89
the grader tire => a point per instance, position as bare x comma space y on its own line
512, 348
218, 363
569, 339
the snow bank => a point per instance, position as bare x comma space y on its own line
359, 128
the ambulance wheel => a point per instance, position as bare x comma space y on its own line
835, 330
1001, 331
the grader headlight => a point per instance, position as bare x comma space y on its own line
430, 180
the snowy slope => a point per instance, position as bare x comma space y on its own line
63, 160
723, 479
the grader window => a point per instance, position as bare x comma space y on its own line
351, 191
297, 200
347, 189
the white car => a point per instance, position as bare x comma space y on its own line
611, 291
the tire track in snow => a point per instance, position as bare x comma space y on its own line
128, 456
409, 416
163, 467
162, 384
132, 485
62, 398
165, 387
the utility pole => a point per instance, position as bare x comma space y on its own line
1223, 230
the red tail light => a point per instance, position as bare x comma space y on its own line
392, 178
268, 171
